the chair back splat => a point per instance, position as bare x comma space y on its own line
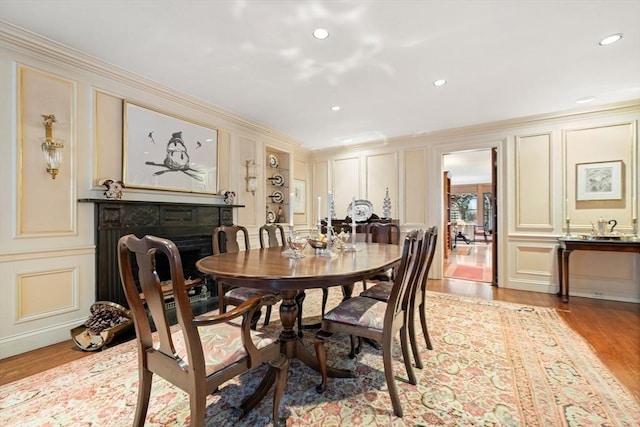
191, 357
271, 232
225, 240
383, 232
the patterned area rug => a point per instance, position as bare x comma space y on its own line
493, 364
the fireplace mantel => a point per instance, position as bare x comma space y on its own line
189, 225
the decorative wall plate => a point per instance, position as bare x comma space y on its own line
360, 210
277, 196
271, 217
277, 180
273, 161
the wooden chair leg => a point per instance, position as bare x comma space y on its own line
321, 355
198, 406
145, 378
423, 322
406, 355
325, 297
267, 315
387, 360
412, 337
355, 348
221, 305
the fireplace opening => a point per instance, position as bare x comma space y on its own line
191, 248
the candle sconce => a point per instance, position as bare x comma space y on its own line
251, 177
52, 148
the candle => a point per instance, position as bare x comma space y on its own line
319, 214
353, 220
353, 213
291, 195
566, 208
329, 198
634, 207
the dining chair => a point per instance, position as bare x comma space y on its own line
204, 351
385, 233
377, 320
268, 235
225, 240
347, 290
415, 300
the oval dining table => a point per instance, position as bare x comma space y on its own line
270, 269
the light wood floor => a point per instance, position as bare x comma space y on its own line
612, 329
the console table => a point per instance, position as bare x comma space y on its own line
567, 245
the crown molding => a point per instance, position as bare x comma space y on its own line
410, 141
32, 44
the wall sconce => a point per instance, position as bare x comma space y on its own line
252, 177
52, 148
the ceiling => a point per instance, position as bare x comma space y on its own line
501, 59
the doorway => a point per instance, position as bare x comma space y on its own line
470, 217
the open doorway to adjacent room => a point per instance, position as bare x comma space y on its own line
470, 215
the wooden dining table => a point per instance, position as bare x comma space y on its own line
271, 270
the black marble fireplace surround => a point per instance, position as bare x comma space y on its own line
188, 225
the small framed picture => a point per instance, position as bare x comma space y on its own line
299, 196
599, 181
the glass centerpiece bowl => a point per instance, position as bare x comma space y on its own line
297, 243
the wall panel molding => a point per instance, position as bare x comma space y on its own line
41, 93
415, 167
382, 173
534, 190
60, 286
534, 260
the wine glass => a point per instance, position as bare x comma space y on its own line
297, 243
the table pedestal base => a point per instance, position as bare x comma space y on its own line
291, 345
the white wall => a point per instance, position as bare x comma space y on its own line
537, 158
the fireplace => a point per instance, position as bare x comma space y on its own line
188, 225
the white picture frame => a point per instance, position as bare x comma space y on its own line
599, 181
299, 196
163, 152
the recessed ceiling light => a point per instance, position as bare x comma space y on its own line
335, 108
440, 82
610, 39
320, 33
585, 100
